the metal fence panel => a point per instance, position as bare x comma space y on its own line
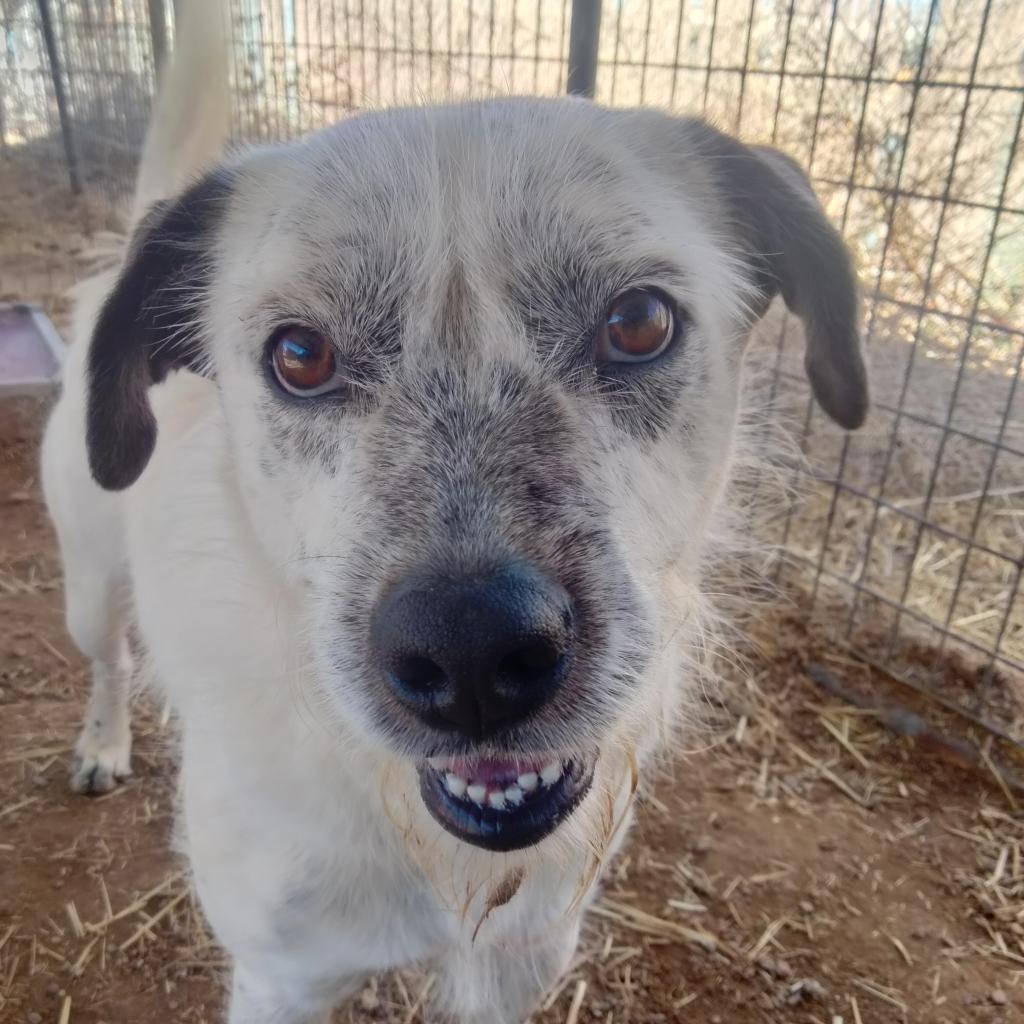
908, 536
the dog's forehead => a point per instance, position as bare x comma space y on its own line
475, 163
505, 206
479, 182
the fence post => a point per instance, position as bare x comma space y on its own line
70, 149
158, 33
584, 36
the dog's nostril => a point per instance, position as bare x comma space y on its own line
533, 662
474, 653
418, 673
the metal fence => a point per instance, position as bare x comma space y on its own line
908, 537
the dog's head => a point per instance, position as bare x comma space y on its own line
480, 368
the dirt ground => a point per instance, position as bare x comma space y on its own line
46, 233
802, 863
805, 861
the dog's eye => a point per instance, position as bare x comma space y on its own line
303, 362
639, 327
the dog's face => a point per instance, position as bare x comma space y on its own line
480, 368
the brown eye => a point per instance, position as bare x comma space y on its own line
303, 362
638, 328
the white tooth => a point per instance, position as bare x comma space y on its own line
497, 799
456, 785
514, 795
551, 772
477, 793
527, 782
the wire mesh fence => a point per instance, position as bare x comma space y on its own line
908, 536
103, 68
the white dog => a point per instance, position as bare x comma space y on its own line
402, 445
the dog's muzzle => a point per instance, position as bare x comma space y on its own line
472, 657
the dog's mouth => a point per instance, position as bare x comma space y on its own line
503, 805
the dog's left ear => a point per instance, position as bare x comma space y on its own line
149, 325
794, 251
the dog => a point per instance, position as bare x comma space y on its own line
402, 446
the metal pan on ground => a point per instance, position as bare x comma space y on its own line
31, 351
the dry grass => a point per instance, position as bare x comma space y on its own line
947, 541
766, 882
45, 233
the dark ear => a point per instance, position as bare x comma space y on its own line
794, 251
148, 326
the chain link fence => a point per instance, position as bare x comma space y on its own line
907, 537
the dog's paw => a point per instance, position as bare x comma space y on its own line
99, 764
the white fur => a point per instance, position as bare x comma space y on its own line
90, 531
313, 856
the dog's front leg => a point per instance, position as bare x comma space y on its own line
103, 751
504, 983
259, 998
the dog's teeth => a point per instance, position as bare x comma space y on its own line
514, 795
477, 793
551, 772
456, 785
527, 781
497, 799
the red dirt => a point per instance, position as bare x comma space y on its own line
853, 898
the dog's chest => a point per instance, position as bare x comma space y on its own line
357, 917
280, 865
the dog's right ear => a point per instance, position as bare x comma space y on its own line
150, 324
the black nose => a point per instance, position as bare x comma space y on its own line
476, 654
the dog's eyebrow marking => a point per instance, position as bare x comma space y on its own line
361, 309
363, 344
553, 290
456, 312
560, 303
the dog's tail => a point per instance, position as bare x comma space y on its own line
191, 118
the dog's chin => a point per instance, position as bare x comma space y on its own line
502, 804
